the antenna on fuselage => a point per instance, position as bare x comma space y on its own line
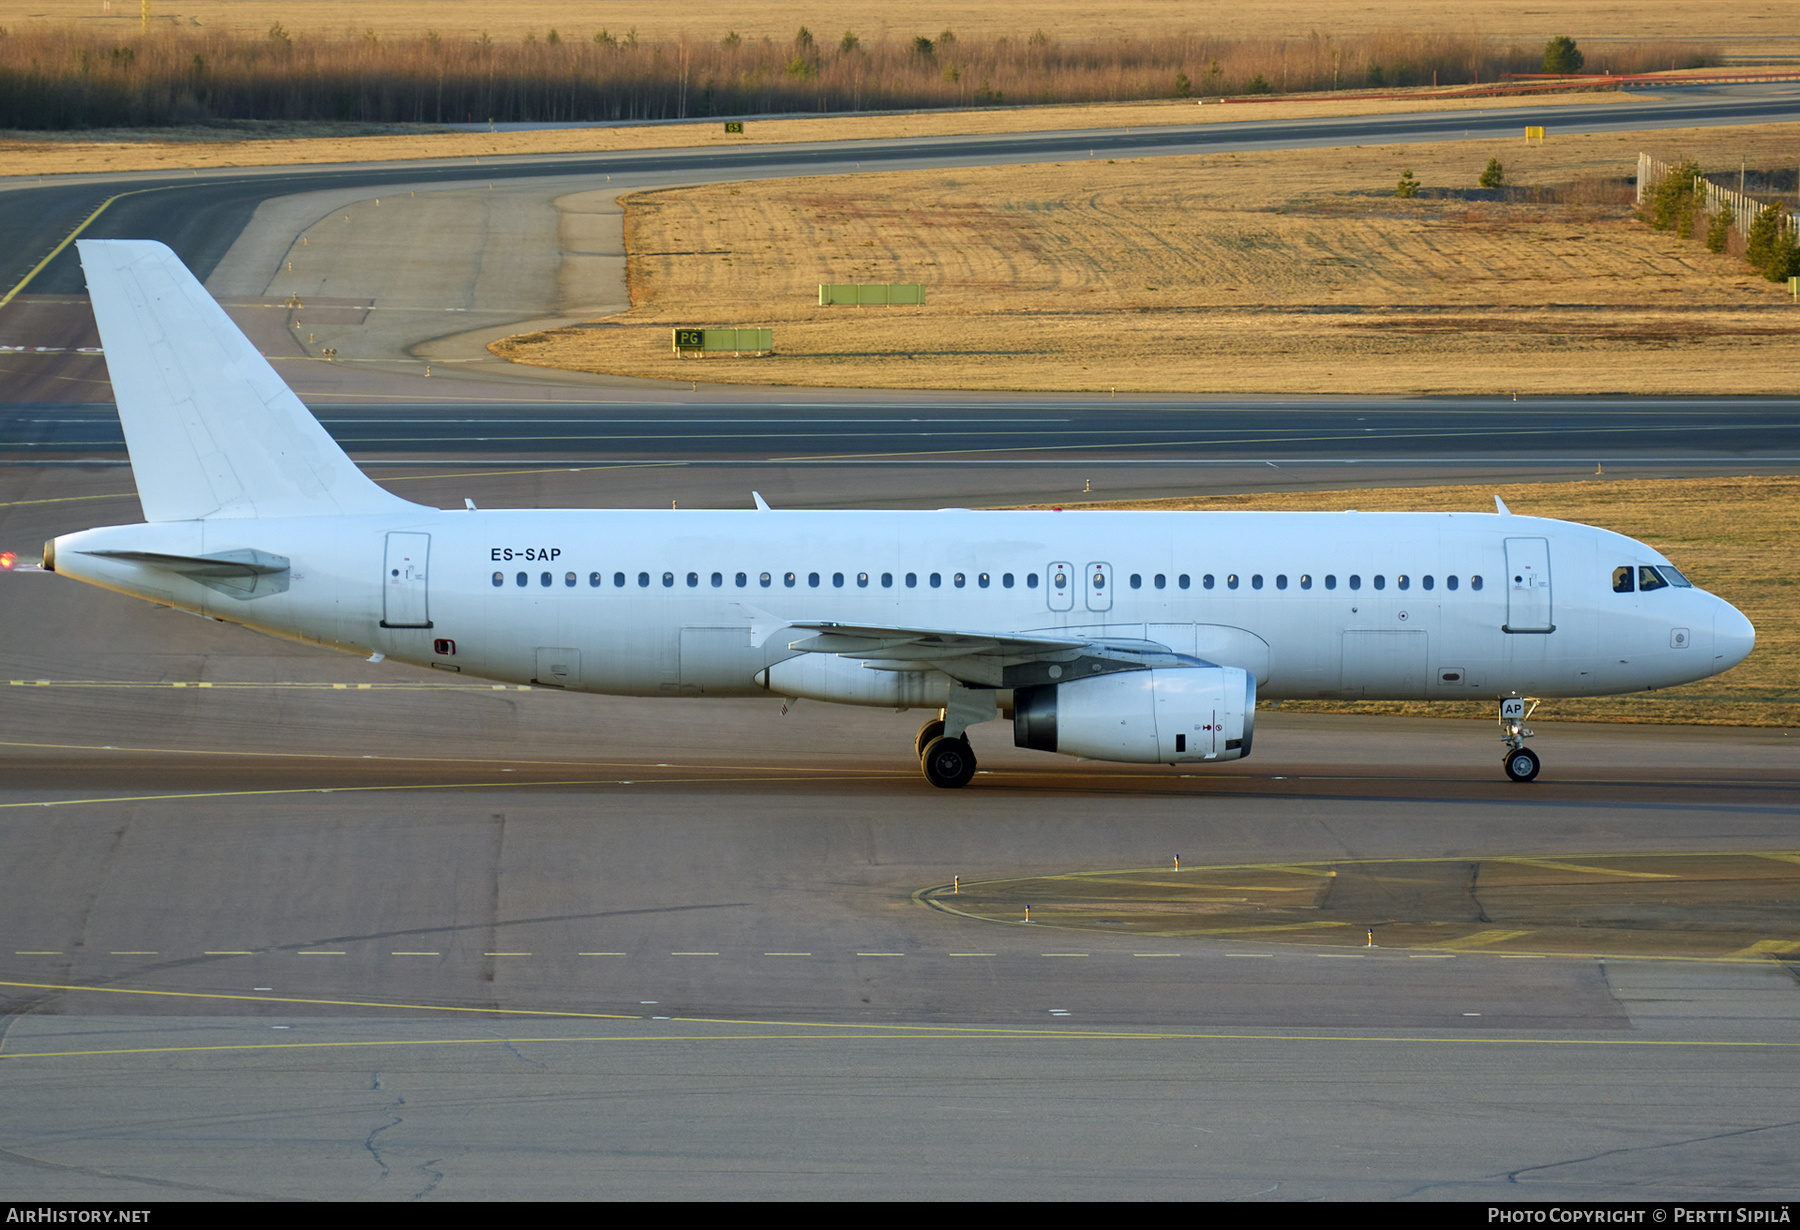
1501, 508
762, 505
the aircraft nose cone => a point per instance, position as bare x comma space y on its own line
1733, 637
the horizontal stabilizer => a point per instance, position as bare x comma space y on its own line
244, 573
212, 430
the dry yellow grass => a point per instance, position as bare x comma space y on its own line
1732, 536
1750, 22
290, 144
1287, 271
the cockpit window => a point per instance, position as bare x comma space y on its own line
1624, 579
1649, 579
1673, 576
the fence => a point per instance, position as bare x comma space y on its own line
1744, 208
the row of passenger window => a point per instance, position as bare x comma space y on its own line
983, 580
1354, 581
742, 580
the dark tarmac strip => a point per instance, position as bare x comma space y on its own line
1080, 429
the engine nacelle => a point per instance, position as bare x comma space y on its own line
1168, 715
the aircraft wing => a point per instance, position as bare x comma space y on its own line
979, 658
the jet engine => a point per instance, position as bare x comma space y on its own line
1166, 715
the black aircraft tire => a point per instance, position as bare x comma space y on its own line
948, 763
933, 729
1522, 765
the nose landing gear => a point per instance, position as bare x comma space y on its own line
1520, 762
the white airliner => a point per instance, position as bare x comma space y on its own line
1140, 637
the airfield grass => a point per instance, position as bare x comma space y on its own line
1291, 271
1732, 536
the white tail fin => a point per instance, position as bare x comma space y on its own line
212, 430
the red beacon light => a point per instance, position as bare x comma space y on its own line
7, 560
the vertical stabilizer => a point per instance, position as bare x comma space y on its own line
212, 430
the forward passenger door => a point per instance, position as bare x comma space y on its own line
1528, 585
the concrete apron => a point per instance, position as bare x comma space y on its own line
400, 279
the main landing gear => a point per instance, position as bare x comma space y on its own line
946, 762
1520, 762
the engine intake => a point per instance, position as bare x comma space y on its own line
1167, 715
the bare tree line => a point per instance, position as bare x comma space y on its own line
62, 78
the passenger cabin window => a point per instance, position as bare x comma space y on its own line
499, 579
618, 580
522, 579
982, 580
718, 579
1425, 581
1281, 580
1256, 581
1330, 581
1450, 582
764, 580
787, 579
1006, 580
1355, 581
1231, 581
569, 580
887, 579
1031, 580
1207, 581
1160, 581
1403, 581
1305, 580
1380, 581
937, 579
668, 580
837, 580
957, 580
1182, 580
1137, 581
593, 580
862, 580
1474, 582
742, 580
544, 579
912, 580
812, 579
